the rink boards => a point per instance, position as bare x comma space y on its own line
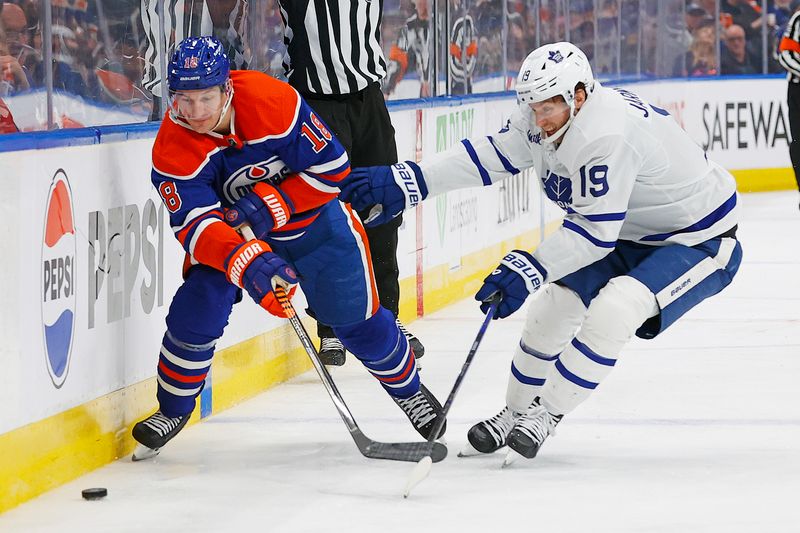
90, 265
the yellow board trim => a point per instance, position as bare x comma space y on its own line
765, 179
79, 440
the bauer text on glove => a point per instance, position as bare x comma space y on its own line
393, 188
517, 276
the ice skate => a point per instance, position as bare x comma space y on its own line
154, 432
422, 409
491, 434
531, 430
331, 352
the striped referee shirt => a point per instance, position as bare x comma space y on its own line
789, 49
334, 46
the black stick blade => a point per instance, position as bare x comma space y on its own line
405, 451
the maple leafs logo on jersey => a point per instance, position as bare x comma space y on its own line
534, 138
191, 62
558, 189
555, 56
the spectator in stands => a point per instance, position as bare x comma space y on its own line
67, 72
413, 47
710, 6
744, 14
734, 59
695, 61
488, 18
518, 45
13, 37
15, 25
779, 14
703, 61
12, 77
695, 14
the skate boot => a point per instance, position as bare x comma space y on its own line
491, 434
331, 352
413, 341
422, 409
531, 430
154, 432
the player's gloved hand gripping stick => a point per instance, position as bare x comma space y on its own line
394, 451
518, 275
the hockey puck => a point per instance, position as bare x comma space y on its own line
94, 494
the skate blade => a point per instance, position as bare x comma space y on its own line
511, 457
469, 451
418, 474
142, 453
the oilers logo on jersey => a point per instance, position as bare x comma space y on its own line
240, 182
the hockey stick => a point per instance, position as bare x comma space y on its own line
393, 451
423, 467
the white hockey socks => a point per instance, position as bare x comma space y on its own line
555, 313
613, 317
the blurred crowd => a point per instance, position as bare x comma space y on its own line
95, 54
435, 48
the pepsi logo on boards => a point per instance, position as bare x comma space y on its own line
58, 278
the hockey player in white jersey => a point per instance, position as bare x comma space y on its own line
649, 232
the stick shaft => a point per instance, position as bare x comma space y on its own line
467, 362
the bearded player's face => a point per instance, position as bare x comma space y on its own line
551, 114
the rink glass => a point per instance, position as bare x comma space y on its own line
98, 49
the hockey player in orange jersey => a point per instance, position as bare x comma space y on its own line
240, 147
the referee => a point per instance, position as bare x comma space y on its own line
789, 58
225, 19
336, 62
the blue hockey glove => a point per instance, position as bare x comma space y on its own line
252, 266
517, 276
264, 209
391, 189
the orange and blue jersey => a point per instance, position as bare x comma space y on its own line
275, 137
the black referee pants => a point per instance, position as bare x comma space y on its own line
793, 103
361, 123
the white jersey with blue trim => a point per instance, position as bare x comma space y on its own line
625, 170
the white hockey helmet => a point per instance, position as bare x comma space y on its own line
554, 70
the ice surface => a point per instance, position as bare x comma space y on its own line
698, 430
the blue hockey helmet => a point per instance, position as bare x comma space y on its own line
198, 63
